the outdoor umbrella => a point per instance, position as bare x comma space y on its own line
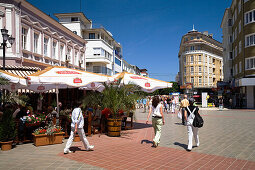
147, 84
14, 81
58, 76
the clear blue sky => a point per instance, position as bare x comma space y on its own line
149, 31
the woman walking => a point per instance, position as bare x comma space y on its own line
189, 116
157, 119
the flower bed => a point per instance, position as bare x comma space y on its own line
48, 135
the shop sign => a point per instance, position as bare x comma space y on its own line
136, 77
41, 88
67, 72
147, 85
77, 80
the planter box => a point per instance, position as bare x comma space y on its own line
5, 146
43, 139
76, 138
114, 127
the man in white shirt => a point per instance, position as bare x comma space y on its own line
77, 126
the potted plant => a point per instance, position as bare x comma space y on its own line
48, 135
115, 100
7, 128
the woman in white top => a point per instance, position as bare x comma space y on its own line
157, 119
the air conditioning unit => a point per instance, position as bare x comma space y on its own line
69, 57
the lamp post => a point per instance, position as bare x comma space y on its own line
6, 37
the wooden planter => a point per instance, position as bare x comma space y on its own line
114, 127
5, 146
76, 138
43, 139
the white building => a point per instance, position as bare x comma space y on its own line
40, 41
103, 53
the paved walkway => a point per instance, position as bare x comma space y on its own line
227, 141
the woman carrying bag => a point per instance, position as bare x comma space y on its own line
157, 119
189, 115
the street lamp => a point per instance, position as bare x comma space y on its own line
6, 37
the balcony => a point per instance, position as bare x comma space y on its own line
100, 70
98, 59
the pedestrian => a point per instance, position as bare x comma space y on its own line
184, 104
173, 104
157, 119
77, 126
144, 104
189, 115
220, 103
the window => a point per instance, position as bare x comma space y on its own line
24, 38
184, 60
61, 53
239, 30
192, 79
192, 48
199, 58
236, 69
250, 63
230, 55
198, 47
230, 39
45, 46
240, 46
75, 32
200, 69
186, 39
97, 51
239, 6
236, 51
191, 38
235, 33
250, 40
191, 59
233, 36
240, 67
191, 69
230, 22
74, 19
185, 69
117, 61
54, 49
249, 17
36, 37
200, 80
91, 35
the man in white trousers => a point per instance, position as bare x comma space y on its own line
77, 126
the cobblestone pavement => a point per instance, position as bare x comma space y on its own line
227, 141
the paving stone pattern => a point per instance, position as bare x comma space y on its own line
227, 141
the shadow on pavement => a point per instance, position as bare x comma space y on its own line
146, 141
181, 145
75, 148
178, 123
141, 125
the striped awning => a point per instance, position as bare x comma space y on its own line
23, 71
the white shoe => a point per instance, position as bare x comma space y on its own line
90, 148
197, 145
67, 151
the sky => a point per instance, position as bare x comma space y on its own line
149, 31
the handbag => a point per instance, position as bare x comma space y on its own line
179, 115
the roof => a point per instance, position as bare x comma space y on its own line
80, 14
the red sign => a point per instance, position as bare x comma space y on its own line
147, 85
92, 84
77, 80
40, 88
13, 86
136, 77
67, 72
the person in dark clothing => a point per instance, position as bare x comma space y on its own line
189, 116
20, 117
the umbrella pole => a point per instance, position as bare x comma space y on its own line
57, 104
